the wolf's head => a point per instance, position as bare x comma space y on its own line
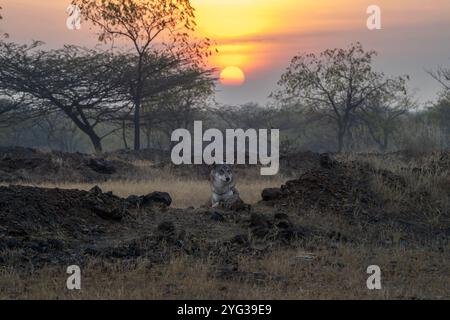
222, 175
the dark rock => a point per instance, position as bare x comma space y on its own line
115, 214
166, 228
96, 190
259, 220
284, 224
280, 216
101, 166
216, 216
151, 199
134, 200
157, 198
327, 162
271, 194
236, 204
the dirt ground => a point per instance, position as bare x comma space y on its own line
309, 233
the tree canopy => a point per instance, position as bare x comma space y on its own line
148, 25
336, 83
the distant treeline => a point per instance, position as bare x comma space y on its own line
79, 99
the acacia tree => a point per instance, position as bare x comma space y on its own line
440, 112
248, 115
147, 25
171, 85
382, 112
183, 100
442, 75
86, 85
336, 83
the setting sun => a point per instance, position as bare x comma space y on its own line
232, 76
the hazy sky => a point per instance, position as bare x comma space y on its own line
261, 36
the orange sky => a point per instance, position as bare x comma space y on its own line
260, 36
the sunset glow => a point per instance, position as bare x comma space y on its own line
246, 32
232, 76
261, 36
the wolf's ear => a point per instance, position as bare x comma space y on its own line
213, 167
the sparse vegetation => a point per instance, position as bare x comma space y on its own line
331, 274
364, 180
326, 260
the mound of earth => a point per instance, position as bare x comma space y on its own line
333, 186
151, 155
41, 226
18, 164
293, 163
346, 190
29, 210
30, 165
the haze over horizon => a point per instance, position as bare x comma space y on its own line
260, 37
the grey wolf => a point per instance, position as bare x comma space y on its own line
223, 186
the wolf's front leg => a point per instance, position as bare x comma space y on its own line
214, 202
215, 205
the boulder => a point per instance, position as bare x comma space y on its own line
271, 194
157, 197
151, 199
101, 166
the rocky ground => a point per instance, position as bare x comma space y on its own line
329, 203
19, 164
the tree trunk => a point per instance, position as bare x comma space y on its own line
385, 143
95, 139
340, 139
89, 131
137, 107
137, 126
124, 135
96, 142
148, 135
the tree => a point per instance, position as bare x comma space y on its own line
86, 85
336, 83
440, 113
246, 116
441, 110
382, 112
442, 75
171, 89
149, 25
179, 106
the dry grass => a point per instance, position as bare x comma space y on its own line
331, 274
419, 180
184, 193
335, 271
